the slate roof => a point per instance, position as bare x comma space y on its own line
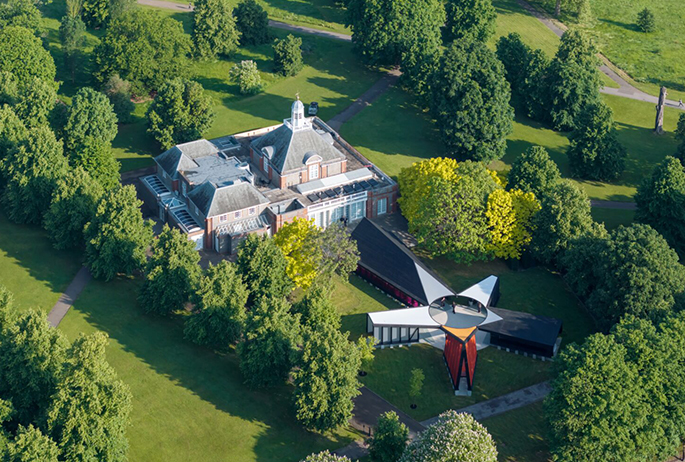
291, 149
527, 328
213, 201
382, 254
181, 157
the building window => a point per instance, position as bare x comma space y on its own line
382, 206
313, 172
238, 214
266, 167
223, 218
253, 210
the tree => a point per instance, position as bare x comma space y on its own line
91, 120
533, 171
95, 12
646, 21
389, 439
144, 48
316, 309
262, 266
325, 456
595, 410
23, 54
470, 101
298, 242
573, 79
595, 152
267, 349
171, 274
326, 379
30, 445
247, 77
416, 383
219, 314
252, 22
453, 437
632, 271
12, 131
35, 101
73, 204
117, 237
288, 56
20, 13
30, 172
469, 20
118, 91
510, 221
214, 29
661, 202
339, 252
413, 182
71, 36
680, 136
181, 112
90, 410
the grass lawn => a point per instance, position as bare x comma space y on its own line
613, 218
188, 402
30, 268
520, 434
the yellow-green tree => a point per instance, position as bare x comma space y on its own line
414, 182
510, 215
298, 242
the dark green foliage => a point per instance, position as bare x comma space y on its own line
533, 171
171, 274
661, 202
252, 22
389, 439
30, 171
117, 238
395, 32
12, 130
22, 54
143, 47
95, 12
219, 313
268, 348
98, 160
33, 100
469, 20
21, 13
181, 112
91, 120
470, 101
595, 152
316, 309
30, 445
118, 91
563, 217
326, 379
71, 36
339, 252
646, 21
262, 266
680, 136
214, 29
73, 205
632, 271
573, 79
90, 411
288, 56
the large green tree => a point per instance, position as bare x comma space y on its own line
389, 439
219, 314
316, 309
262, 266
23, 54
118, 91
454, 437
214, 29
469, 20
171, 274
143, 47
31, 445
95, 12
21, 13
12, 131
30, 171
326, 379
339, 251
470, 101
180, 112
33, 101
73, 204
595, 152
252, 23
661, 202
268, 348
72, 36
288, 55
680, 136
117, 238
533, 171
89, 413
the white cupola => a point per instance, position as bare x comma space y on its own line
297, 119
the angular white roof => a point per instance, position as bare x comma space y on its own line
491, 317
406, 317
481, 292
433, 288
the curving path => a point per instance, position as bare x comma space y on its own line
69, 296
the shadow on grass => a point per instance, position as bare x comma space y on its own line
625, 25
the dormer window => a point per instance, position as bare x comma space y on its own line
313, 172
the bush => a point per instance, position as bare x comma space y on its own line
246, 75
646, 21
288, 56
389, 438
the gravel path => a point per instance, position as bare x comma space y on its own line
67, 299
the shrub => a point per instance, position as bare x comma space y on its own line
646, 21
246, 75
288, 56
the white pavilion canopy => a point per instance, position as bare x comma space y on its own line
482, 291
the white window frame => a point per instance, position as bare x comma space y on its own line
223, 218
314, 172
238, 214
383, 201
253, 210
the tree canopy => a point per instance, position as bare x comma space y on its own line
118, 91
389, 438
23, 54
252, 22
470, 102
288, 56
298, 242
469, 20
533, 171
680, 136
246, 75
339, 252
143, 47
20, 13
262, 265
214, 29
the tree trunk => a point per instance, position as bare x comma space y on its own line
557, 9
659, 123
